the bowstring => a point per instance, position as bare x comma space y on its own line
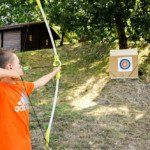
37, 119
24, 44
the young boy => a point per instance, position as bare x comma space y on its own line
14, 105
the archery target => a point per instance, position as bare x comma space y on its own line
125, 64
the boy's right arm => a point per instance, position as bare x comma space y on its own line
8, 73
43, 80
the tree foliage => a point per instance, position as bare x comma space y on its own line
17, 11
95, 20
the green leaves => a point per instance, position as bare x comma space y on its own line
93, 20
17, 11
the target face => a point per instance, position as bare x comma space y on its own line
125, 64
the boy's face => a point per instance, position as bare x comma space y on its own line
16, 65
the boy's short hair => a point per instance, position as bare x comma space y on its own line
6, 56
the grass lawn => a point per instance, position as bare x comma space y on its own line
93, 111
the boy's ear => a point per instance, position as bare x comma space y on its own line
8, 66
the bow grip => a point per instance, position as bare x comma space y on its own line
57, 63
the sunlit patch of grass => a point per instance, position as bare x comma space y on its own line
107, 110
85, 94
144, 64
143, 54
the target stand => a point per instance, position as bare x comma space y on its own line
123, 63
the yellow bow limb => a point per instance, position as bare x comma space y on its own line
38, 3
57, 63
47, 138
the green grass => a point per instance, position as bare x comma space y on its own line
93, 112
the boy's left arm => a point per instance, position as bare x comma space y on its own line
43, 80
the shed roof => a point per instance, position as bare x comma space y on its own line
21, 25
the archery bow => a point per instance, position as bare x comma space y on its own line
57, 62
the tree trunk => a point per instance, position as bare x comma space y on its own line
120, 26
62, 39
121, 33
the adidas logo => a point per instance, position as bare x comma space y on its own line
23, 104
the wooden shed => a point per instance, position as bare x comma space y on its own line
26, 36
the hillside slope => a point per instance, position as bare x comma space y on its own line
93, 111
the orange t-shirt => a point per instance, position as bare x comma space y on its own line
14, 116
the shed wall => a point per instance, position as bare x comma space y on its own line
12, 40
